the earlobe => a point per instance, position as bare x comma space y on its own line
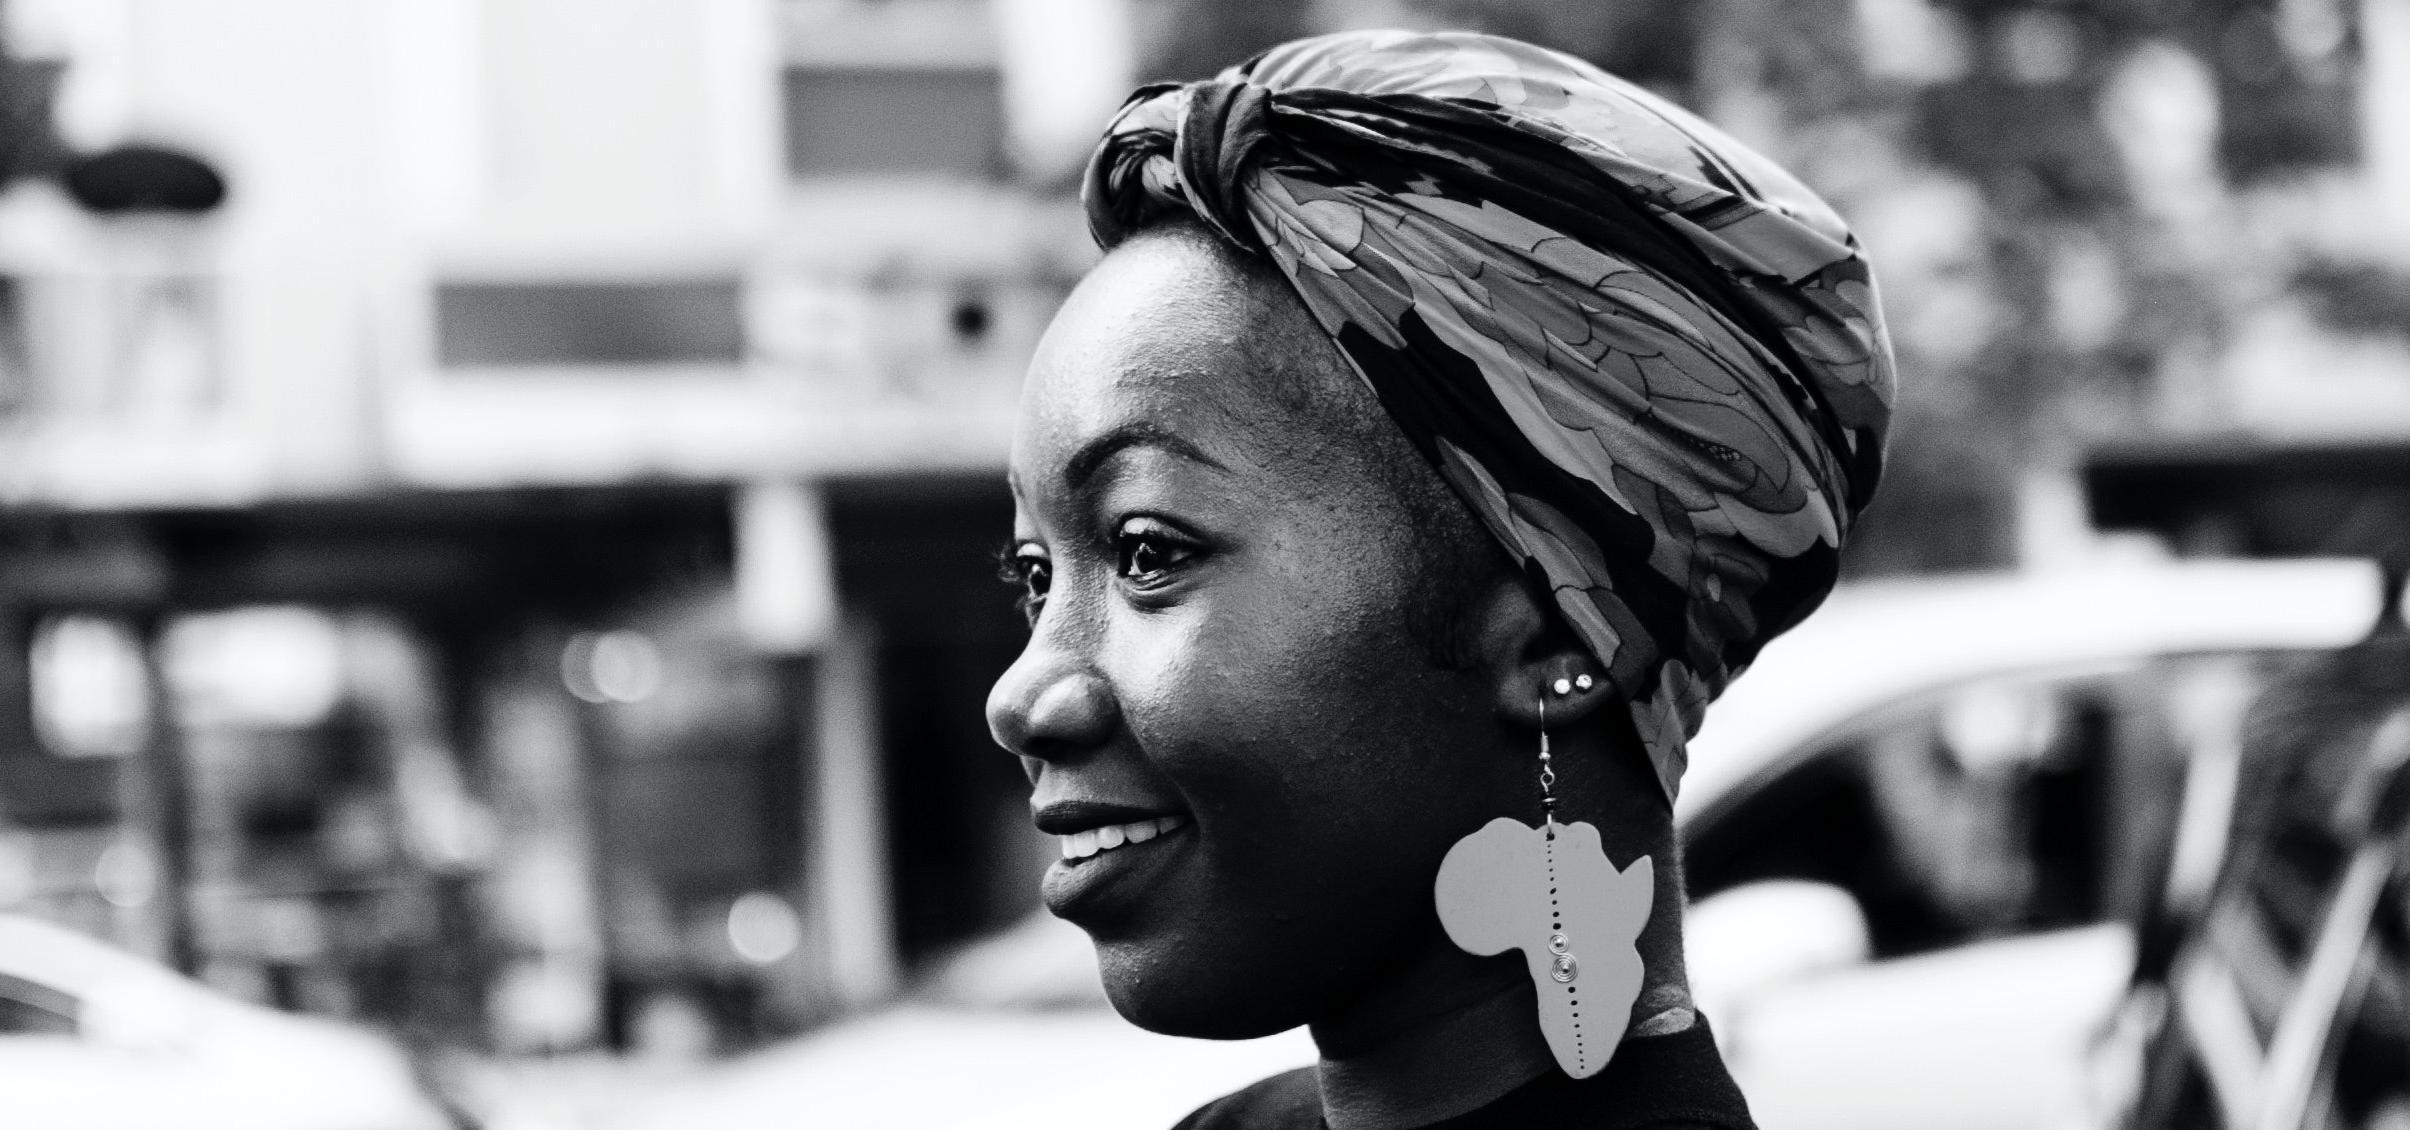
1524, 645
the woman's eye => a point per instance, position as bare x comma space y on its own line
1146, 554
1029, 569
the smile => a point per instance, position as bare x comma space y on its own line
1083, 844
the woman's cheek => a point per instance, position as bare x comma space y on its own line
1172, 687
1206, 699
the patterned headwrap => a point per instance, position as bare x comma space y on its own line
1649, 359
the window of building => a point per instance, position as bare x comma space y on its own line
654, 322
926, 121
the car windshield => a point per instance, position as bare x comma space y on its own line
1990, 808
30, 1009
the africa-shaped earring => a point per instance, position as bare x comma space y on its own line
1551, 892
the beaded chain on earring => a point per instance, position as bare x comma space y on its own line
1563, 968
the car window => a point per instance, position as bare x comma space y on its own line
2282, 998
1985, 809
28, 1009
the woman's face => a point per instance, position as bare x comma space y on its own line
1221, 594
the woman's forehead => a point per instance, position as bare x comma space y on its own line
1162, 306
1170, 333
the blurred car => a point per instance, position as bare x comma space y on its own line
1916, 831
2277, 995
94, 1038
1919, 831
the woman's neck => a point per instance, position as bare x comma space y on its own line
1455, 1032
1389, 1064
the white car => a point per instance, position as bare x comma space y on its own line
94, 1038
1911, 830
1918, 829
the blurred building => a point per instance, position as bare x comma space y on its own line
520, 567
2142, 258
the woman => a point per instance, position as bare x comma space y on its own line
1376, 307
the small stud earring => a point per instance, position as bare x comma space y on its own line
1562, 687
1583, 682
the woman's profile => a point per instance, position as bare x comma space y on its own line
1446, 424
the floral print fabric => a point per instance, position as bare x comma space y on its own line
1650, 360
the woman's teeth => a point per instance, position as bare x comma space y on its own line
1081, 845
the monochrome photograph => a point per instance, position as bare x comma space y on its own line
1204, 564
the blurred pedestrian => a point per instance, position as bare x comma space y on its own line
1376, 306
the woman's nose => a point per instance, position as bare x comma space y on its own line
1048, 706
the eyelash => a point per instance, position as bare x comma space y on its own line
1138, 535
1019, 563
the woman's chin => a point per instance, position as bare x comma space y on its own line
1174, 999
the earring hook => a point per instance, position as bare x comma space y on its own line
1547, 775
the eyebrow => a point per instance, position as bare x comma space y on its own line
1093, 455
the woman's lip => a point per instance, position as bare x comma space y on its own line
1095, 886
1066, 817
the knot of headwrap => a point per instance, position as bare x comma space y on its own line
1222, 125
1650, 360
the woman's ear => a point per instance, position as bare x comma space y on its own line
1527, 653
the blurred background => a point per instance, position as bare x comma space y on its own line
496, 495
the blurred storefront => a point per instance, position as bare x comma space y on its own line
520, 569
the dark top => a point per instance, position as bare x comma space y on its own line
1675, 1082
